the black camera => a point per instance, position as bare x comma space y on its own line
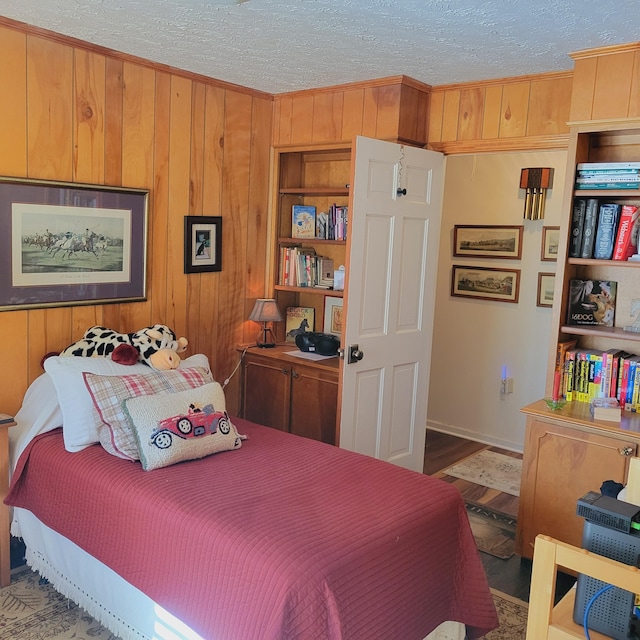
324, 344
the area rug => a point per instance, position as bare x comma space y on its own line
34, 610
512, 614
490, 469
492, 535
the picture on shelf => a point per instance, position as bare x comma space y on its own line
299, 320
303, 221
333, 315
592, 302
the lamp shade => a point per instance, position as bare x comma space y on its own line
265, 310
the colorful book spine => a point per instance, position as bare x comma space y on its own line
606, 230
569, 375
627, 235
607, 185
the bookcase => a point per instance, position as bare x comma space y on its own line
317, 177
566, 452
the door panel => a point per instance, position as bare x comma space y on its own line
389, 299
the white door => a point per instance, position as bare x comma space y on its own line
389, 300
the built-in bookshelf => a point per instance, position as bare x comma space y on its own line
314, 182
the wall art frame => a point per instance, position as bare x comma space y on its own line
333, 315
550, 244
202, 244
486, 283
66, 243
488, 241
546, 286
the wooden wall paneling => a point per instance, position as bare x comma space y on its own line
49, 109
582, 92
302, 120
89, 125
613, 86
13, 105
515, 110
275, 121
285, 120
179, 187
414, 109
196, 282
327, 116
352, 113
113, 121
388, 116
450, 115
549, 105
471, 113
492, 112
436, 116
159, 203
370, 112
634, 97
17, 373
235, 201
207, 331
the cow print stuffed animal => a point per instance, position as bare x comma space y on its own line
156, 346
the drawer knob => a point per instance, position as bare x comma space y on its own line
625, 451
285, 372
295, 374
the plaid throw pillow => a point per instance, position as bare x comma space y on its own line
109, 392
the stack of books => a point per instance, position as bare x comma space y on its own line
608, 175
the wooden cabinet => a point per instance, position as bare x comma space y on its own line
289, 393
317, 177
566, 454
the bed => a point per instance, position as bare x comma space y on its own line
269, 537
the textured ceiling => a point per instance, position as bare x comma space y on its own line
287, 45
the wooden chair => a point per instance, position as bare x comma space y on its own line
546, 622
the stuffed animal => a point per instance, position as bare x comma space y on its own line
156, 346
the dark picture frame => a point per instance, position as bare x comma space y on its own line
67, 244
546, 286
202, 244
485, 283
550, 244
488, 241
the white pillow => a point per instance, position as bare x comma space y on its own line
39, 413
80, 419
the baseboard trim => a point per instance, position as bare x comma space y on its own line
476, 437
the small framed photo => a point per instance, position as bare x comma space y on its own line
488, 241
333, 315
550, 242
202, 244
546, 284
486, 283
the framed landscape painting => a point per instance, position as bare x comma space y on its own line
485, 283
546, 284
550, 242
488, 241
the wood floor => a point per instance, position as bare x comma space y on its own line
512, 576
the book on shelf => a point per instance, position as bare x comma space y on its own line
303, 221
589, 230
592, 302
582, 166
603, 186
607, 227
606, 409
595, 173
298, 320
627, 235
563, 347
577, 227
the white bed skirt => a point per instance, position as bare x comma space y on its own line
111, 600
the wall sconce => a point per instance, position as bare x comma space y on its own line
265, 310
536, 181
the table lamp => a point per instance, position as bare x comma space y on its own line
265, 310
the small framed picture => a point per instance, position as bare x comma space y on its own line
485, 282
550, 242
546, 284
488, 241
202, 244
333, 315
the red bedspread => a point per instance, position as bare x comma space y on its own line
285, 538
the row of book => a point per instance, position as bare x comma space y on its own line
608, 175
587, 374
301, 267
326, 225
603, 230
